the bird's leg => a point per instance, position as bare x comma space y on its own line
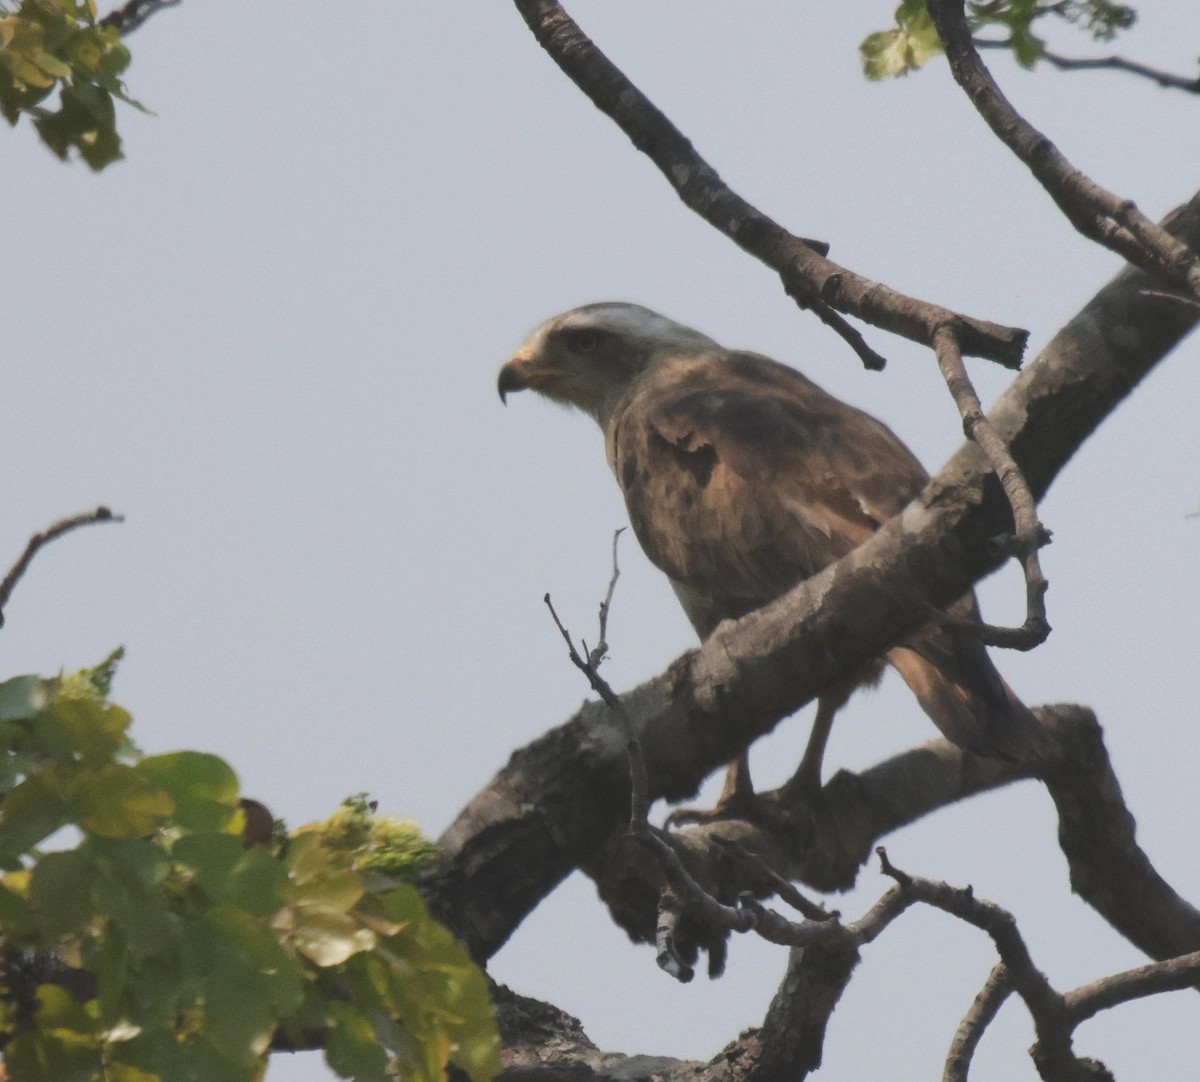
807, 780
738, 790
736, 799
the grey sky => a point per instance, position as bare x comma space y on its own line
270, 338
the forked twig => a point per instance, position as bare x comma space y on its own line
1189, 83
588, 662
1029, 535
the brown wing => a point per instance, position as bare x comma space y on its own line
742, 478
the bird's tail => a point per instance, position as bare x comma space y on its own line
959, 688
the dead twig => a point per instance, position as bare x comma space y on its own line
808, 277
1094, 211
588, 662
39, 540
1029, 534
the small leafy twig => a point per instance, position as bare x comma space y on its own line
1191, 84
39, 540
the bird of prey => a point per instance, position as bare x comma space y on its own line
742, 478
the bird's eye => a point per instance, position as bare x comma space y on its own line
583, 340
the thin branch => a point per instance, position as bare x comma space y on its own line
127, 18
1029, 534
996, 989
810, 279
39, 540
784, 888
1170, 975
1095, 212
639, 799
596, 656
1191, 84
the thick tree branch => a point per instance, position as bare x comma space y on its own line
1095, 212
810, 279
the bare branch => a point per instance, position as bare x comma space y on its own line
589, 666
1170, 975
1097, 833
1029, 534
38, 540
987, 1004
600, 652
810, 279
1095, 212
1191, 84
127, 18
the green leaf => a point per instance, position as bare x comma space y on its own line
889, 53
130, 874
16, 917
327, 937
32, 811
117, 801
352, 1050
450, 1002
60, 890
23, 696
61, 1049
339, 891
229, 874
76, 728
204, 788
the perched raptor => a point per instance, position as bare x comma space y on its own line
742, 478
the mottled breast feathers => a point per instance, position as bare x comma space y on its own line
742, 477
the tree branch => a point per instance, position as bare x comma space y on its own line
1191, 84
1092, 210
1028, 536
810, 279
987, 1004
127, 18
40, 540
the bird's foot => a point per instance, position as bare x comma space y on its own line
738, 805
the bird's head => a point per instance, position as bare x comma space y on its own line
588, 357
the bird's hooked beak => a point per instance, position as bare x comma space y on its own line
515, 375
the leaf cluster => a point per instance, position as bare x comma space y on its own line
48, 45
914, 40
204, 952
